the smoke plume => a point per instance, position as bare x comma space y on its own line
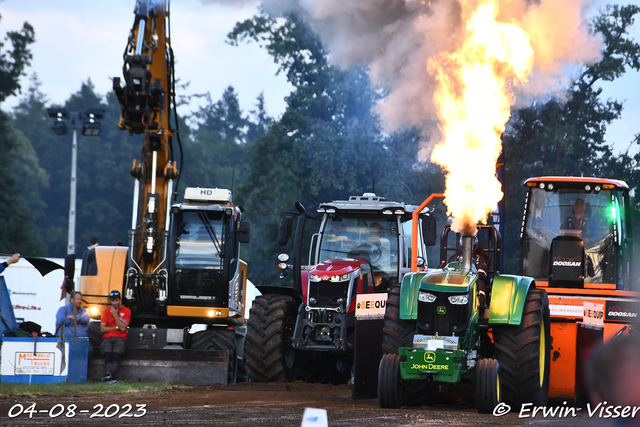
396, 38
461, 64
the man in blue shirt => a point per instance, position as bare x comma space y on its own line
14, 258
66, 315
65, 318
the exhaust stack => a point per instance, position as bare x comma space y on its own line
467, 247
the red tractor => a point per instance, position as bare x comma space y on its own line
363, 246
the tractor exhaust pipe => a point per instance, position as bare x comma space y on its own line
467, 247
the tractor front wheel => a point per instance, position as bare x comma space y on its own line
398, 333
268, 348
389, 382
218, 339
523, 353
488, 390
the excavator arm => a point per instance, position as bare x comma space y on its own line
147, 101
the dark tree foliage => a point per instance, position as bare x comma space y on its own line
17, 231
328, 145
216, 154
104, 185
552, 138
33, 178
17, 219
13, 62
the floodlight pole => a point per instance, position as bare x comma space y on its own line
93, 129
71, 245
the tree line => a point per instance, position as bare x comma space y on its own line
327, 145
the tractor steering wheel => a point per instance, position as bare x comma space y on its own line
369, 251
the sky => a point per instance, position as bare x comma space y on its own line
79, 40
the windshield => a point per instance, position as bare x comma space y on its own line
570, 212
372, 238
198, 264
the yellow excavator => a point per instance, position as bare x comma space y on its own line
182, 265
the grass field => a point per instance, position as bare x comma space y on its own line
21, 389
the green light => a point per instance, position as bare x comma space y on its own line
614, 213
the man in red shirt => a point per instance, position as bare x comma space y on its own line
113, 325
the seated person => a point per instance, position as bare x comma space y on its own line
580, 220
378, 238
481, 261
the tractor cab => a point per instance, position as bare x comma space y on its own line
576, 233
366, 240
363, 246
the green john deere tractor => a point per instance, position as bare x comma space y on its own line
437, 331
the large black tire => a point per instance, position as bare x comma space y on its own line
488, 389
268, 350
523, 353
242, 372
398, 333
389, 382
218, 339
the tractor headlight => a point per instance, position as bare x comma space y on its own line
340, 278
283, 257
314, 278
426, 297
459, 299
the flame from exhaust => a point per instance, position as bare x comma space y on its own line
473, 99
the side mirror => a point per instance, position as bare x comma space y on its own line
286, 227
244, 231
429, 230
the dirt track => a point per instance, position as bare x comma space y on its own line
272, 405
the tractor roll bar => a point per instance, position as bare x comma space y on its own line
414, 232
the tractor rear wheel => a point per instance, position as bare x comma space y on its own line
218, 339
488, 390
396, 332
268, 348
389, 382
523, 353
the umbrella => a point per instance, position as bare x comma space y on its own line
44, 266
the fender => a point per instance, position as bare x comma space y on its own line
409, 295
508, 296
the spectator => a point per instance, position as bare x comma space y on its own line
14, 258
113, 324
74, 319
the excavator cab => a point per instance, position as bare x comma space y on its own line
576, 233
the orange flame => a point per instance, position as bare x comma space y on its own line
473, 98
